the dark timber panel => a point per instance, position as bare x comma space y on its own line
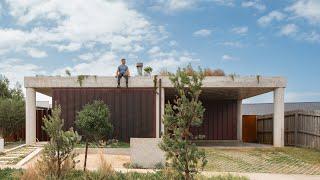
132, 110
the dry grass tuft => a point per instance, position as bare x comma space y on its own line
164, 72
105, 169
31, 173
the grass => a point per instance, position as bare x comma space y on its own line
12, 174
288, 160
9, 145
97, 145
8, 174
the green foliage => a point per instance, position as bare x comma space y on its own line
68, 72
81, 78
58, 157
148, 69
12, 108
10, 174
4, 87
12, 116
185, 112
94, 123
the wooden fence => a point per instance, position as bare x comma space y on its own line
302, 128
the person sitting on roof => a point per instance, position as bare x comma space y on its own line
122, 71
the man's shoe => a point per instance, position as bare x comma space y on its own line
118, 86
126, 85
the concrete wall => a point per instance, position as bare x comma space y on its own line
145, 152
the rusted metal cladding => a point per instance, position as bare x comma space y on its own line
132, 110
219, 121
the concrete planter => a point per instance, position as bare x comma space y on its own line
1, 144
145, 152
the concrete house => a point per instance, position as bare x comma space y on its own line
136, 111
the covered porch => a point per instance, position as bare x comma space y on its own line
221, 96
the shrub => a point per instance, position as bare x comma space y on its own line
148, 69
94, 122
57, 157
216, 72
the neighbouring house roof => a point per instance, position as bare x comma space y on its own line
43, 104
267, 108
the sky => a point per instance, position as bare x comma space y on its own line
250, 37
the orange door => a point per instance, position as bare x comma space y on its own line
249, 128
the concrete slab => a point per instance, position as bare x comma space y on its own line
145, 152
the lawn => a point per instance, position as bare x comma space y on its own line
111, 145
9, 145
288, 160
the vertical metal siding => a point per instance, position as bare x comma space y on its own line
219, 121
132, 110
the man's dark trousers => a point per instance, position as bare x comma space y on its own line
120, 76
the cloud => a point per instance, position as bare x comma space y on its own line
267, 19
227, 57
224, 2
254, 4
71, 28
35, 53
233, 44
308, 9
202, 33
16, 69
242, 30
174, 5
313, 37
69, 47
289, 29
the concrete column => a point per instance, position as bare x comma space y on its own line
30, 116
239, 120
159, 102
278, 117
162, 108
157, 112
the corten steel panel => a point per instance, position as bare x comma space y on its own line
249, 128
219, 120
132, 110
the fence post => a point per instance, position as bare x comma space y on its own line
296, 121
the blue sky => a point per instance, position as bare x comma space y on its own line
251, 37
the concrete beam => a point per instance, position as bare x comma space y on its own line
30, 116
278, 117
142, 81
239, 120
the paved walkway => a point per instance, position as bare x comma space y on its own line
12, 157
268, 176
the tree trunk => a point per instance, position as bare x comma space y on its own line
59, 163
85, 156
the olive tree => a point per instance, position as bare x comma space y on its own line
93, 121
183, 113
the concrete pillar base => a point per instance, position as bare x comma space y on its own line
1, 144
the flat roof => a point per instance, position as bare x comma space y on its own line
221, 86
